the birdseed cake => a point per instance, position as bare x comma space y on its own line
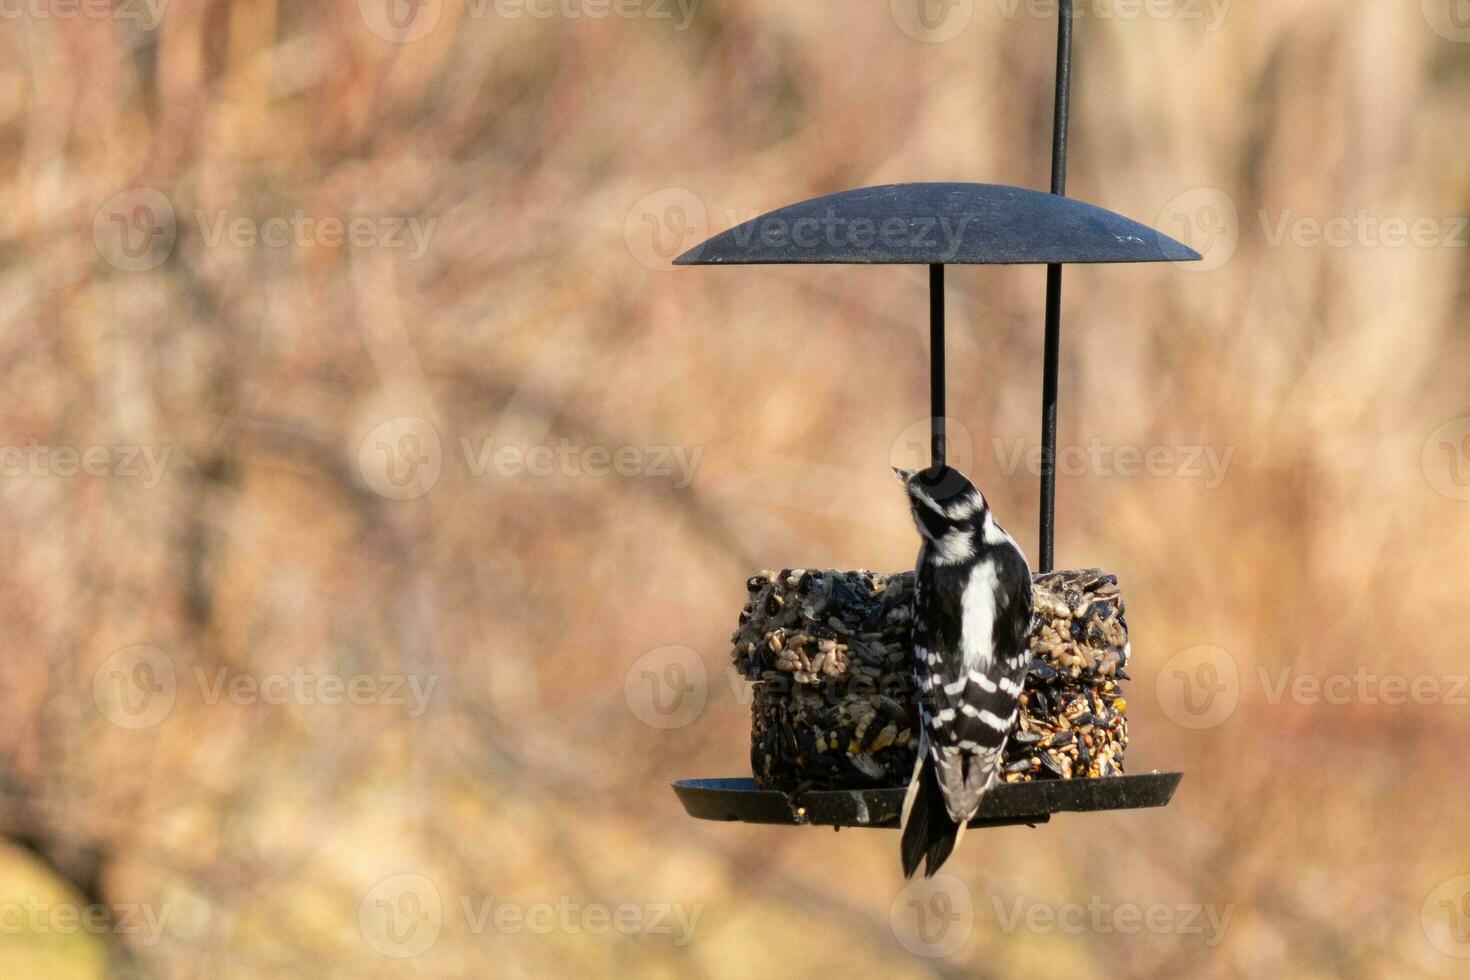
830, 656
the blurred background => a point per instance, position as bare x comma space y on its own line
379, 502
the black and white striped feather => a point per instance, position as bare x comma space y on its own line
972, 613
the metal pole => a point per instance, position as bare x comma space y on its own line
936, 364
1052, 356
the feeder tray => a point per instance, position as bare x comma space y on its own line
1006, 805
940, 224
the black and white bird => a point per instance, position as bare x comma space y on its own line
972, 614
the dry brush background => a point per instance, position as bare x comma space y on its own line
172, 632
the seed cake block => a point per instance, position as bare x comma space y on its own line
830, 656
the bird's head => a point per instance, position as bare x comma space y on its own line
947, 508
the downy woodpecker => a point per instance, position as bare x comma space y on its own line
972, 614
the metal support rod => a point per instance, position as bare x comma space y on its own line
1052, 357
936, 364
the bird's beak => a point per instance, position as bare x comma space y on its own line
904, 476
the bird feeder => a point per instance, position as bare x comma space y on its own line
938, 225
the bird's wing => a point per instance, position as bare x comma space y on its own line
970, 690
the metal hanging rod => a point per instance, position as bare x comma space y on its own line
1051, 361
936, 364
1051, 364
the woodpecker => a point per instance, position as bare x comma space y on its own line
972, 614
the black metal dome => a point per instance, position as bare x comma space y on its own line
938, 224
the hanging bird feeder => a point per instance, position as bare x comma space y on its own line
1063, 759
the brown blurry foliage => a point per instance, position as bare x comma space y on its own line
527, 320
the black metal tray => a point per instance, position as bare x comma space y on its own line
1007, 805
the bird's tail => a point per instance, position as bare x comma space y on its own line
928, 831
